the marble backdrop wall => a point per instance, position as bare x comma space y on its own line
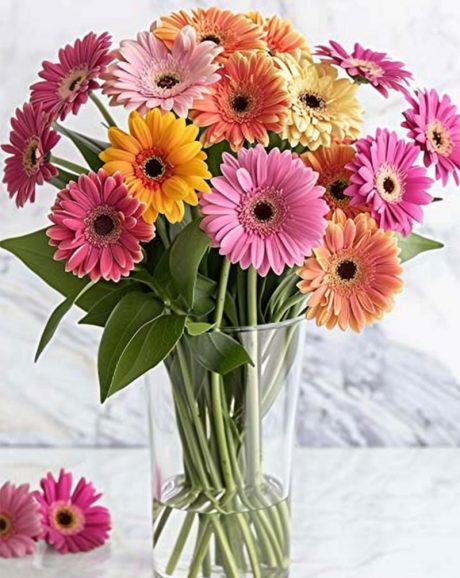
396, 384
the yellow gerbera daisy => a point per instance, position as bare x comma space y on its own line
323, 108
161, 161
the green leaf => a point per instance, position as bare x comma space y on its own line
218, 352
56, 317
185, 257
414, 244
62, 179
214, 159
149, 346
132, 312
89, 147
101, 311
204, 299
198, 327
37, 254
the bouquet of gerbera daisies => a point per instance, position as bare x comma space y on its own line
238, 197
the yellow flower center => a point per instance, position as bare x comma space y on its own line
68, 519
345, 272
389, 184
312, 100
439, 138
73, 81
32, 156
366, 65
335, 195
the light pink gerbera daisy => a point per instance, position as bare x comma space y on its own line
147, 74
434, 125
98, 227
368, 66
71, 521
67, 83
266, 209
384, 177
31, 141
19, 521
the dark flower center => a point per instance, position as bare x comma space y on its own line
240, 103
347, 270
211, 37
336, 190
312, 100
75, 83
154, 168
167, 81
3, 524
65, 519
388, 185
104, 225
437, 138
263, 211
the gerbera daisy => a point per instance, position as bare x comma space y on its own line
147, 74
249, 100
385, 178
71, 521
67, 83
353, 276
333, 176
98, 227
161, 161
322, 107
232, 32
366, 65
31, 141
280, 36
266, 209
19, 521
434, 125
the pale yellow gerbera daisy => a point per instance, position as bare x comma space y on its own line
323, 108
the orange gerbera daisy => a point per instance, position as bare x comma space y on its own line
161, 161
330, 163
353, 276
232, 32
280, 34
249, 100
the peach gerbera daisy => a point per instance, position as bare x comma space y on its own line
281, 36
353, 276
334, 177
161, 161
232, 32
249, 100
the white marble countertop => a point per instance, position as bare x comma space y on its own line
358, 513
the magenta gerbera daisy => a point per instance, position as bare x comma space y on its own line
19, 521
31, 141
434, 125
98, 227
266, 209
147, 74
71, 522
66, 84
363, 64
385, 178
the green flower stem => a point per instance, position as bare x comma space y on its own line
161, 523
180, 542
228, 558
202, 548
64, 163
102, 109
250, 545
221, 292
221, 438
160, 226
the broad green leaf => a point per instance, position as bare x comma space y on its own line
62, 179
149, 346
198, 327
414, 244
204, 298
185, 257
218, 352
101, 311
89, 147
56, 317
214, 159
36, 253
132, 312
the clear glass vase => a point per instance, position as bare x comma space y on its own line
222, 451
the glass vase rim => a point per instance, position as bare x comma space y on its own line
263, 326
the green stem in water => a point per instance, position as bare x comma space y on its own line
102, 109
180, 543
64, 163
202, 548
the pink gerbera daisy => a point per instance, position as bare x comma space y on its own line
67, 83
147, 74
19, 521
71, 521
31, 141
266, 209
368, 66
384, 177
434, 125
98, 227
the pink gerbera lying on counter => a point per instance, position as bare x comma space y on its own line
19, 521
98, 227
71, 521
